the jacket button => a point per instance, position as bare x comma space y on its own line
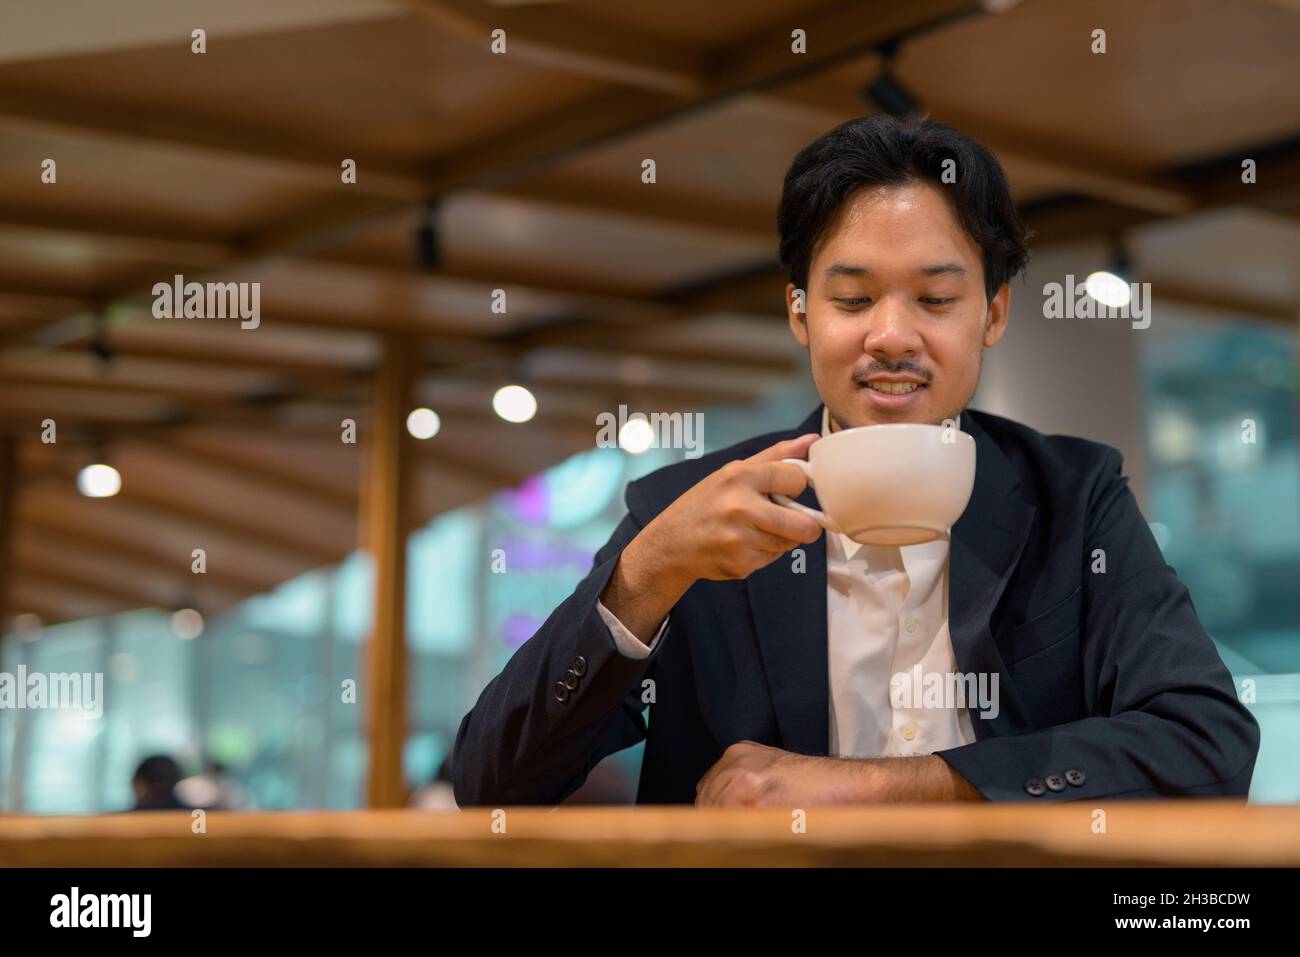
561, 692
1036, 787
579, 666
1056, 782
571, 681
1075, 777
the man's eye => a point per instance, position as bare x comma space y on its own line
932, 301
852, 302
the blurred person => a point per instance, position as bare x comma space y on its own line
213, 790
154, 785
438, 794
770, 683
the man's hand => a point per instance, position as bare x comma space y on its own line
725, 526
722, 527
755, 775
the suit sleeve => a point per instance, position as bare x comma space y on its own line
527, 742
1165, 720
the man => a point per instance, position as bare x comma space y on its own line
154, 785
771, 653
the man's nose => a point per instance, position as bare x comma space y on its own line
893, 331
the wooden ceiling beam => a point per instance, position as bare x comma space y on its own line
23, 603
1180, 293
206, 353
556, 39
283, 480
71, 534
443, 455
34, 30
1072, 166
34, 595
61, 577
513, 154
314, 165
174, 506
171, 585
145, 237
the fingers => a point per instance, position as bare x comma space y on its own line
793, 527
795, 448
782, 478
737, 788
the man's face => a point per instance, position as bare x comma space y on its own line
897, 319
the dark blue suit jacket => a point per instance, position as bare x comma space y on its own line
1109, 686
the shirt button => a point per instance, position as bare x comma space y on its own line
911, 625
909, 731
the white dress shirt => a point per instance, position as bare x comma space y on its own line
886, 614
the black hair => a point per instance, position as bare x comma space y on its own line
882, 150
157, 772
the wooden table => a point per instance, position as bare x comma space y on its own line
1199, 833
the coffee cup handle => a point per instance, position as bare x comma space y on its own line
816, 515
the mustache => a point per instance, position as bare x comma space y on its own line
901, 367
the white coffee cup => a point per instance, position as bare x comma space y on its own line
898, 484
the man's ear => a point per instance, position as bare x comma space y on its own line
796, 310
995, 324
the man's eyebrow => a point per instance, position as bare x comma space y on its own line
941, 269
844, 269
938, 269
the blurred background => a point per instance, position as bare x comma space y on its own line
236, 564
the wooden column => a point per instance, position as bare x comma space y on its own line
8, 514
386, 523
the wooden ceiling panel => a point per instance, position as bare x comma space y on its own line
79, 405
1181, 79
274, 342
323, 461
128, 373
38, 558
734, 155
230, 495
171, 537
585, 248
204, 192
54, 603
387, 89
703, 25
1233, 253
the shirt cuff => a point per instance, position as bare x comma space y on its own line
628, 644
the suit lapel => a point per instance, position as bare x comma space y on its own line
986, 545
789, 608
789, 611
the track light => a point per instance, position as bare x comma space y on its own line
886, 91
427, 245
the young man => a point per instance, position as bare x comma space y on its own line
772, 682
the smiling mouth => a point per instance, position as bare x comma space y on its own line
895, 388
